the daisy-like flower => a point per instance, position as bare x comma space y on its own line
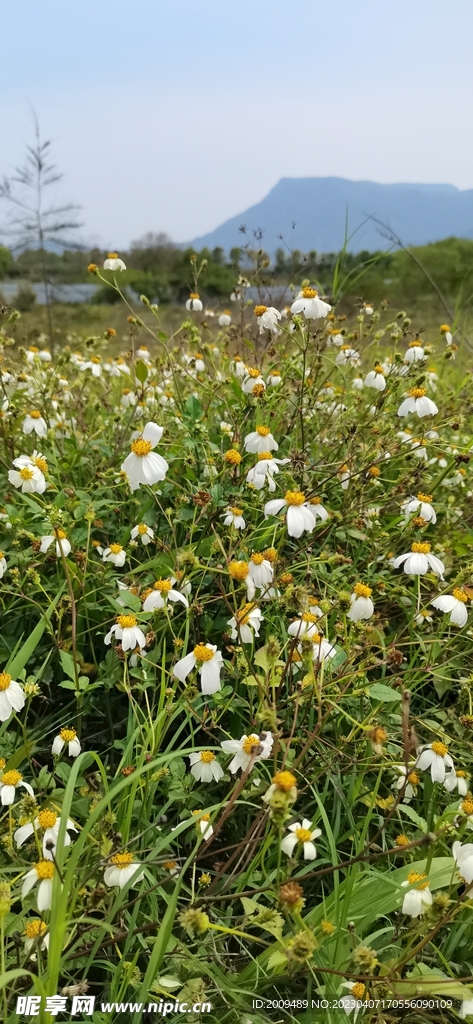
245, 623
306, 625
161, 593
376, 378
417, 402
208, 662
283, 782
367, 309
419, 560
410, 786
260, 570
225, 318
121, 869
34, 422
358, 993
66, 737
42, 872
347, 356
29, 474
128, 632
234, 517
205, 767
322, 650
194, 303
12, 697
114, 554
417, 900
144, 532
47, 822
446, 331
248, 748
456, 780
128, 398
260, 440
421, 506
113, 262
63, 545
237, 366
466, 1008
264, 471
36, 934
302, 835
3, 564
344, 475
463, 857
362, 606
308, 303
434, 757
94, 364
317, 509
251, 380
203, 823
267, 317
9, 783
424, 617
415, 352
143, 465
455, 605
299, 517
274, 378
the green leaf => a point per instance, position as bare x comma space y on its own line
141, 371
193, 408
67, 662
250, 906
384, 693
413, 816
19, 660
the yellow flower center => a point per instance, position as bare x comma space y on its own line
68, 735
238, 570
444, 328
44, 869
414, 876
203, 653
249, 743
95, 359
2, 555
413, 778
439, 748
115, 549
358, 990
164, 586
46, 819
11, 778
419, 548
262, 456
202, 817
170, 865
236, 511
467, 807
315, 501
361, 590
424, 497
459, 595
309, 617
142, 529
257, 558
26, 473
303, 835
415, 344
41, 463
270, 555
379, 369
194, 295
259, 310
263, 431
402, 840
344, 468
35, 415
60, 534
294, 498
33, 348
243, 615
5, 680
112, 255
417, 392
141, 447
374, 471
284, 781
309, 293
127, 621
122, 860
206, 756
34, 929
252, 372
460, 774
233, 457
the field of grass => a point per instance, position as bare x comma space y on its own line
236, 665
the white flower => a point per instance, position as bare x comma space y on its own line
42, 872
357, 384
318, 511
417, 900
128, 398
144, 532
3, 565
113, 263
205, 767
456, 780
209, 663
466, 1007
122, 868
238, 367
353, 1002
415, 353
251, 379
417, 402
29, 474
9, 783
375, 379
299, 516
344, 476
249, 748
143, 465
322, 650
128, 632
194, 303
306, 624
94, 364
302, 834
455, 604
310, 305
260, 570
267, 317
264, 471
48, 822
419, 560
421, 506
161, 593
12, 697
114, 554
409, 787
233, 517
367, 308
347, 356
66, 737
362, 606
63, 545
225, 427
434, 757
275, 378
463, 856
35, 422
36, 935
423, 617
225, 318
245, 623
445, 330
260, 440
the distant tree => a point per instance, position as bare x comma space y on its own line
32, 223
6, 261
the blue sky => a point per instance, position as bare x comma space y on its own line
174, 115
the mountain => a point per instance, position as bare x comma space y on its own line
318, 208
